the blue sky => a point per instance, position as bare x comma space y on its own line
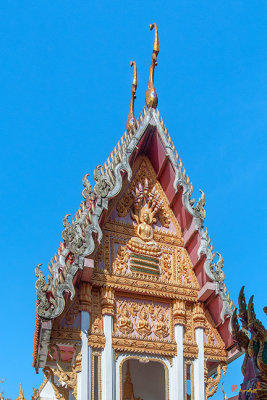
65, 90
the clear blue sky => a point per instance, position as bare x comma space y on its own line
65, 89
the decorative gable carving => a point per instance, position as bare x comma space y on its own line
213, 343
145, 176
142, 246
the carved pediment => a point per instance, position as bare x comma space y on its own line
142, 239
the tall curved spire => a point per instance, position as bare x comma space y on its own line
131, 117
151, 94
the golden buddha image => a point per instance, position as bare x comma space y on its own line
145, 252
125, 324
161, 327
143, 326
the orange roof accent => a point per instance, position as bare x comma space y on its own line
36, 337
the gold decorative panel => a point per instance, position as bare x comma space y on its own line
152, 263
143, 318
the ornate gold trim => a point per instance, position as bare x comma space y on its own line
66, 335
148, 286
213, 381
122, 344
142, 171
179, 312
70, 377
190, 350
97, 341
85, 296
107, 300
142, 317
199, 315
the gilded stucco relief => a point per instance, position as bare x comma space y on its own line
142, 246
139, 318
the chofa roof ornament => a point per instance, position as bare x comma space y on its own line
151, 94
131, 118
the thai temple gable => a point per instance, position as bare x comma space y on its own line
168, 167
134, 285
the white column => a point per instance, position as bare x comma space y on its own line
117, 374
178, 365
199, 385
108, 364
84, 377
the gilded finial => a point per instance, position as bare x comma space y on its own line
151, 95
131, 117
20, 396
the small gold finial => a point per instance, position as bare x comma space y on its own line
151, 94
20, 396
131, 118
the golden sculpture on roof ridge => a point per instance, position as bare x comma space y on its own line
131, 118
151, 94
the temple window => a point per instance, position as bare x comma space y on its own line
96, 387
188, 380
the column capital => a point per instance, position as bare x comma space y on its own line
179, 313
107, 300
85, 296
199, 315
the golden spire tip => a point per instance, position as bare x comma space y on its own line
151, 94
131, 118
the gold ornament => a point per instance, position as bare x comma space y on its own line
179, 312
125, 324
143, 326
199, 315
121, 261
85, 296
144, 250
131, 118
151, 95
161, 328
69, 375
213, 382
165, 267
107, 300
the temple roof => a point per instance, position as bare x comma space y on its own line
147, 135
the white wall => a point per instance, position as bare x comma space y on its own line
47, 393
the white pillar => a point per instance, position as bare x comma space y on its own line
108, 364
117, 380
84, 377
199, 385
178, 365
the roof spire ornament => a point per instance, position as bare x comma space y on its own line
131, 118
151, 95
20, 396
